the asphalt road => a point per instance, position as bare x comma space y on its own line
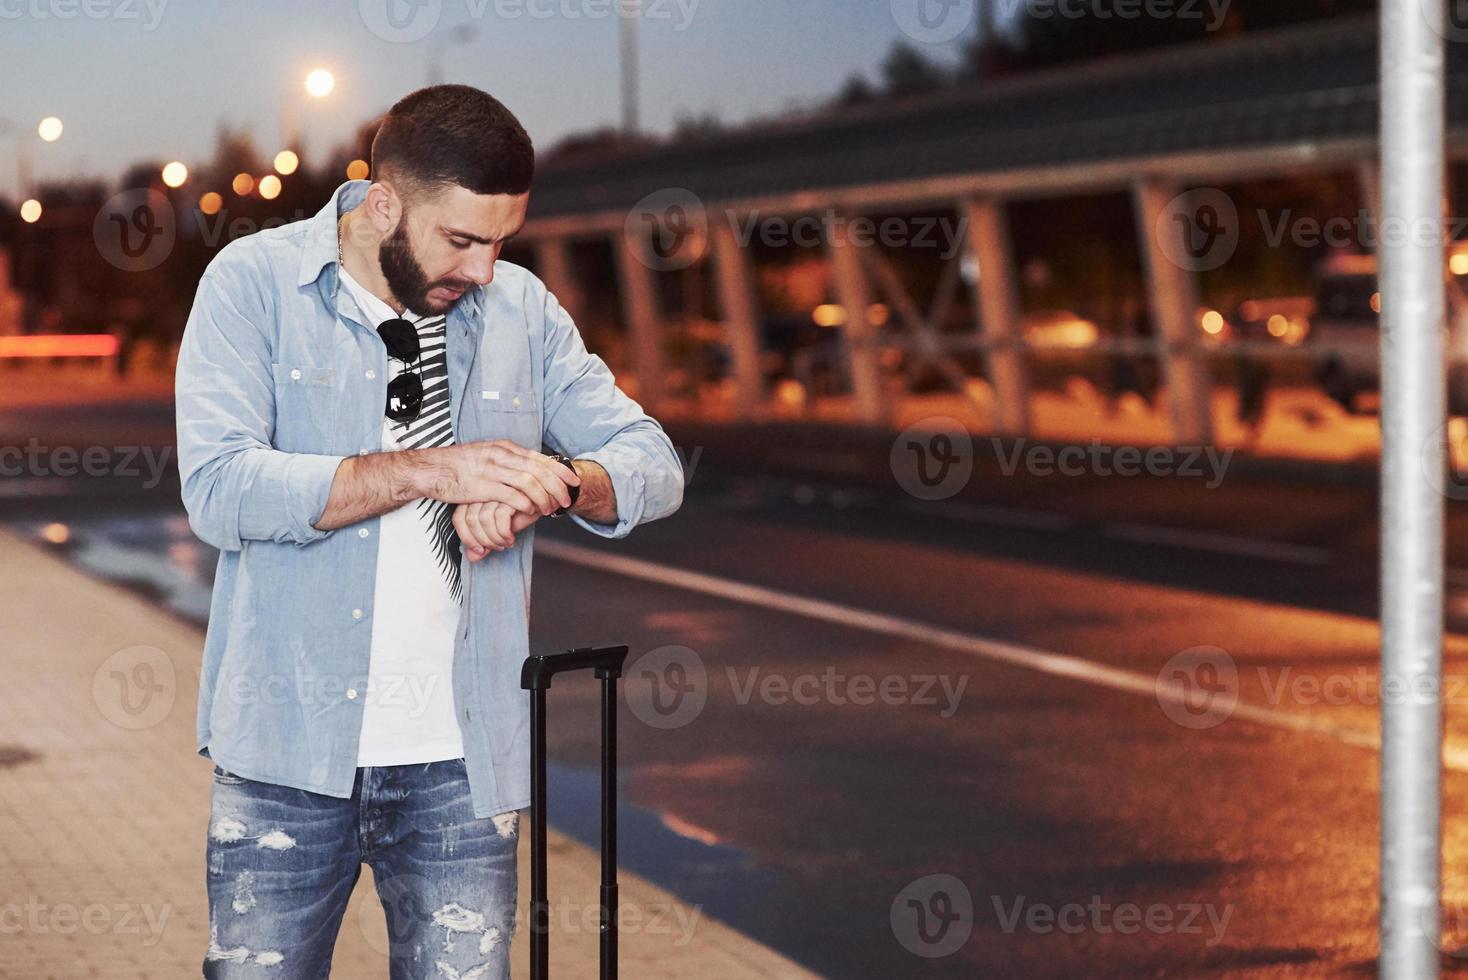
1091, 726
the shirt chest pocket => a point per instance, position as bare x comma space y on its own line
305, 408
513, 415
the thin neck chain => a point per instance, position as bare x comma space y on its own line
341, 262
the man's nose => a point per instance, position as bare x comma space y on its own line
479, 270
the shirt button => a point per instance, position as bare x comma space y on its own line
356, 614
515, 401
371, 374
296, 375
352, 693
362, 532
361, 452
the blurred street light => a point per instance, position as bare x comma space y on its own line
242, 184
286, 162
211, 202
175, 174
30, 211
269, 187
319, 83
358, 170
48, 129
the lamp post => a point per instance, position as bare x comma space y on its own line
318, 84
48, 130
630, 21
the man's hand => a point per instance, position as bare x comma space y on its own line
500, 472
476, 472
488, 527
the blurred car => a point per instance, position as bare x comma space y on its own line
1346, 328
792, 345
1059, 329
1285, 319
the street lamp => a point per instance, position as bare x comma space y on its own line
630, 21
319, 83
175, 174
48, 129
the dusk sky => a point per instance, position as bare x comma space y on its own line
140, 79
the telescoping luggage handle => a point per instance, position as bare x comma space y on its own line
536, 677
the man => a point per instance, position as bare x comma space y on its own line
362, 402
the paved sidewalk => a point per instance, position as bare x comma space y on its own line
104, 805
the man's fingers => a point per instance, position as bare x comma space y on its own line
504, 519
532, 486
474, 534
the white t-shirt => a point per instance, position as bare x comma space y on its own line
408, 716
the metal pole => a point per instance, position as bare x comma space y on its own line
539, 900
1413, 446
631, 23
609, 823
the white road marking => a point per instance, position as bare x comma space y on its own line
1046, 662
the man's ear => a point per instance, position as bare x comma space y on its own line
384, 207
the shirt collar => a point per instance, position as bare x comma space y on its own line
319, 250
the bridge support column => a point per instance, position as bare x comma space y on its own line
998, 308
740, 309
635, 271
863, 358
553, 263
1172, 288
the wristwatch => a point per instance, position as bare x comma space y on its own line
575, 490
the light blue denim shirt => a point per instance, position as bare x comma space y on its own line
276, 386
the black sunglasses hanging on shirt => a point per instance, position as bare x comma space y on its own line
404, 392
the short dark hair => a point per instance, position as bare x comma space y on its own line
452, 134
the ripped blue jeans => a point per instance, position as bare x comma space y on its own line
283, 862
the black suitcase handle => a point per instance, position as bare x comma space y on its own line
536, 676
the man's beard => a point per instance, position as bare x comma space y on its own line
406, 278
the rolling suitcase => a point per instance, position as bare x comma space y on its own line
536, 677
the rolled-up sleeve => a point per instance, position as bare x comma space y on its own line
236, 487
588, 417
